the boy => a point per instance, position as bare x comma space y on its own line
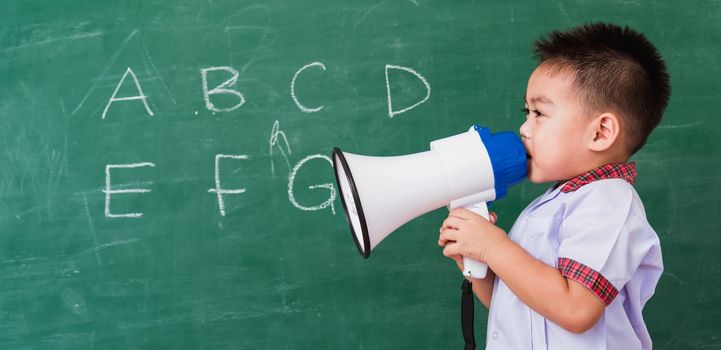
581, 260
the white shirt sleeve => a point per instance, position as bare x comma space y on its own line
604, 235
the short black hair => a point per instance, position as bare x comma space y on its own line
614, 68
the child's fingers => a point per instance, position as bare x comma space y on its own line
443, 241
493, 217
459, 261
451, 249
451, 222
446, 236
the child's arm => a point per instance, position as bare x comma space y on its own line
540, 286
484, 288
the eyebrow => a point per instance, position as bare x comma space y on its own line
540, 99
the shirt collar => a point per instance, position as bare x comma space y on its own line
626, 171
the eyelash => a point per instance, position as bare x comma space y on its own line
527, 111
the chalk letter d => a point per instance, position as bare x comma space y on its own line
391, 112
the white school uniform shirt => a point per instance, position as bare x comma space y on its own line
595, 232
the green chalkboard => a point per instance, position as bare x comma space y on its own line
165, 179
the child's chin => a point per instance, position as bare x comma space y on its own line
531, 175
536, 178
536, 181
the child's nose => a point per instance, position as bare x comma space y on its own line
525, 130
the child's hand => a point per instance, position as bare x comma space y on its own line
465, 233
459, 258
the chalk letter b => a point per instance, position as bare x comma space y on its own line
221, 89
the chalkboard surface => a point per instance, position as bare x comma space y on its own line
165, 179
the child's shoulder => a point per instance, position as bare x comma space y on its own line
605, 211
615, 188
604, 198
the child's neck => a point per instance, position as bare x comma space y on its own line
607, 157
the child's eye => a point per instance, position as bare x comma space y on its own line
528, 112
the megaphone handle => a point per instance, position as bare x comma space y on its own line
472, 267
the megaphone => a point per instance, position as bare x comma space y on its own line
380, 194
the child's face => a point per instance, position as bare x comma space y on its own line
555, 128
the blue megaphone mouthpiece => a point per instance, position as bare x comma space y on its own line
508, 158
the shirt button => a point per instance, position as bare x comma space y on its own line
494, 335
531, 236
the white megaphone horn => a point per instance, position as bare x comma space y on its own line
380, 194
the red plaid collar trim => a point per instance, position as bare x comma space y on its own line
626, 171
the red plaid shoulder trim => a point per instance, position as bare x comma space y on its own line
626, 171
588, 277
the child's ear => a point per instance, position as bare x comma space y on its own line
605, 129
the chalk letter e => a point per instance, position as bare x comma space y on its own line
109, 191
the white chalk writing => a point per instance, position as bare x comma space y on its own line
218, 189
140, 96
329, 186
292, 89
392, 113
109, 191
275, 132
221, 89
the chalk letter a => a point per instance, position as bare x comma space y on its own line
140, 96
